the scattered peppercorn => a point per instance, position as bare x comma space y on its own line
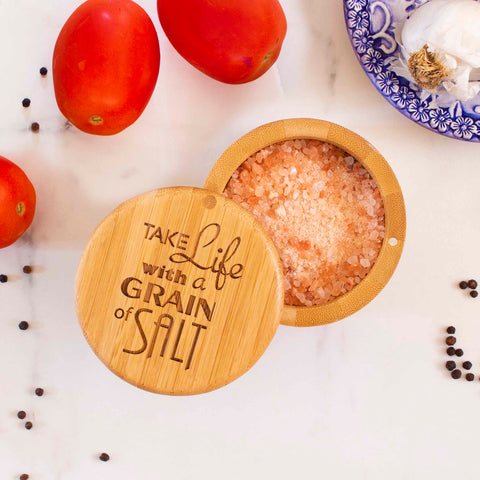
23, 325
456, 374
450, 351
467, 365
28, 425
450, 340
3, 279
104, 457
21, 414
459, 352
451, 330
35, 127
39, 392
26, 102
463, 285
24, 476
474, 294
43, 71
450, 365
472, 284
470, 377
27, 269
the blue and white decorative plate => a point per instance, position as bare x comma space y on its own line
372, 26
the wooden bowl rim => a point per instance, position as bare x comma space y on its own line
381, 172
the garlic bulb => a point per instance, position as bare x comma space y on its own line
442, 40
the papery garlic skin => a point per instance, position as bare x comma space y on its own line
451, 30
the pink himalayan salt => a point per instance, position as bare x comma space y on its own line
323, 211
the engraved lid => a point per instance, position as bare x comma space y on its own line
179, 291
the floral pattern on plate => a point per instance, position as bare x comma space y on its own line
372, 25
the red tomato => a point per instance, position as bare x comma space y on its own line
105, 65
233, 41
17, 202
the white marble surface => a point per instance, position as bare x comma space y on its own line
366, 398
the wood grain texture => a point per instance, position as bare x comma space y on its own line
379, 169
179, 291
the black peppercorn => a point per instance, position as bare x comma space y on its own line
472, 284
21, 414
456, 374
463, 285
450, 365
104, 457
470, 377
467, 365
43, 71
474, 294
27, 269
450, 340
39, 392
28, 425
26, 102
3, 279
451, 330
459, 352
23, 325
24, 476
35, 127
450, 351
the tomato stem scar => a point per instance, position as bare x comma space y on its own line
267, 57
96, 120
20, 209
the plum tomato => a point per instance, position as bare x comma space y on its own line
233, 41
17, 202
105, 65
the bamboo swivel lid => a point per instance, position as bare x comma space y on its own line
179, 291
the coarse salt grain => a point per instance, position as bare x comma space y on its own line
323, 211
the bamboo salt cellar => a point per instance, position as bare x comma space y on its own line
379, 170
180, 290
